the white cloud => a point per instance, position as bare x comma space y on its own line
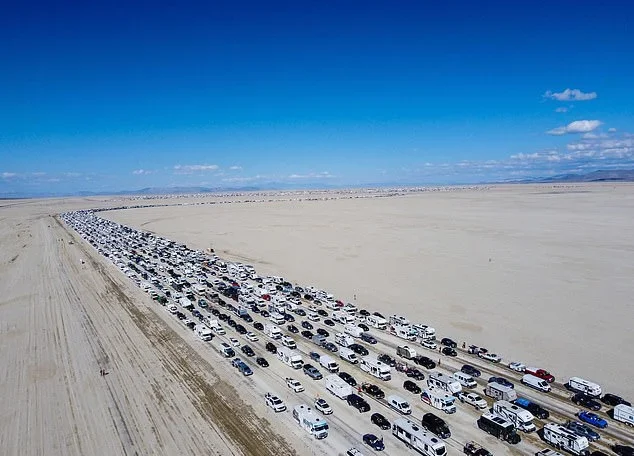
322, 175
71, 174
235, 168
561, 109
571, 95
611, 130
140, 172
7, 175
578, 126
188, 169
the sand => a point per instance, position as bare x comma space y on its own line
539, 274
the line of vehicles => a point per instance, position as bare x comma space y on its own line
192, 270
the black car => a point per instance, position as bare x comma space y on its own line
330, 347
614, 400
223, 317
307, 334
259, 326
231, 322
329, 322
447, 342
380, 421
308, 297
470, 370
363, 326
411, 387
322, 312
358, 402
377, 314
322, 332
586, 401
215, 312
300, 312
424, 361
255, 309
262, 362
415, 374
623, 450
373, 390
241, 329
196, 314
247, 350
271, 348
364, 312
358, 349
191, 325
349, 379
293, 329
288, 317
180, 315
436, 425
248, 318
448, 351
265, 313
369, 338
306, 325
387, 359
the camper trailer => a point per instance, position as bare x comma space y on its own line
421, 440
563, 438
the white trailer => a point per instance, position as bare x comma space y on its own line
444, 382
399, 320
376, 322
406, 352
203, 332
624, 414
500, 392
521, 418
348, 355
342, 317
290, 357
272, 331
563, 438
328, 363
418, 438
403, 331
353, 330
336, 386
310, 421
277, 318
343, 339
425, 332
583, 386
439, 399
376, 368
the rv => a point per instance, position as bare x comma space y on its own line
404, 332
536, 383
580, 385
425, 332
290, 357
328, 363
277, 318
215, 326
353, 330
376, 322
624, 414
563, 438
318, 339
272, 331
348, 355
342, 317
439, 399
406, 352
500, 392
373, 366
399, 404
398, 320
444, 382
344, 340
499, 427
203, 332
310, 422
417, 438
224, 349
465, 380
521, 419
338, 387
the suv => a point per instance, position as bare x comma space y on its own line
614, 400
373, 390
247, 350
358, 402
312, 372
368, 338
425, 362
447, 342
436, 425
271, 348
380, 421
586, 401
358, 349
583, 430
411, 387
470, 370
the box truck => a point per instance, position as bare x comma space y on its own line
336, 386
500, 392
521, 419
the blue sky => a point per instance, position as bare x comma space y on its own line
117, 97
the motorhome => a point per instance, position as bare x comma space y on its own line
522, 419
337, 386
563, 438
277, 318
406, 352
272, 331
348, 355
425, 332
343, 339
466, 380
581, 385
290, 357
499, 427
403, 331
353, 330
399, 404
215, 326
376, 322
536, 383
203, 332
444, 382
328, 363
342, 317
500, 392
439, 399
376, 368
310, 421
421, 440
398, 320
624, 414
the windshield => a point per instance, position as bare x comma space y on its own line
321, 427
441, 451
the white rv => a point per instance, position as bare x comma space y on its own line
203, 332
277, 318
342, 317
439, 399
522, 419
466, 380
425, 332
624, 414
561, 437
343, 339
403, 331
310, 421
353, 330
376, 322
290, 357
500, 392
373, 366
215, 326
272, 331
399, 320
444, 382
583, 386
337, 386
418, 438
348, 355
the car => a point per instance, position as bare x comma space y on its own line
448, 351
415, 374
586, 401
411, 387
262, 362
329, 322
380, 421
583, 430
312, 372
330, 347
251, 337
593, 419
231, 322
377, 314
235, 362
293, 329
502, 381
247, 350
346, 377
614, 400
241, 329
300, 312
517, 367
424, 361
289, 318
358, 349
235, 342
490, 357
190, 324
314, 356
364, 312
358, 402
374, 442
322, 312
369, 338
307, 334
180, 315
248, 318
274, 402
623, 450
447, 342
436, 425
306, 325
270, 347
322, 332
215, 312
470, 370
363, 326
373, 390
295, 385
265, 313
387, 359
259, 326
196, 314
472, 399
323, 407
429, 344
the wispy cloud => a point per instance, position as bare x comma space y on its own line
322, 175
8, 175
570, 95
189, 169
578, 126
562, 109
235, 168
244, 179
141, 172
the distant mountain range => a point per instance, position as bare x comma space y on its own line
619, 175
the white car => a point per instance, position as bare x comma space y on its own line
323, 407
473, 399
429, 344
274, 402
517, 367
490, 357
294, 385
235, 342
252, 337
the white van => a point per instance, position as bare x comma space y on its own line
536, 382
465, 380
399, 404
